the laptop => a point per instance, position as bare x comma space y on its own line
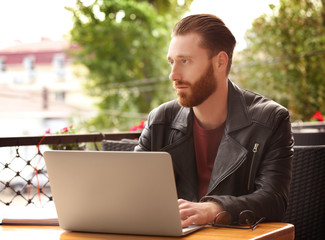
115, 192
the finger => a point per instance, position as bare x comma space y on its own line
192, 220
181, 201
186, 213
184, 204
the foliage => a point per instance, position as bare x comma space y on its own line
123, 44
285, 57
71, 146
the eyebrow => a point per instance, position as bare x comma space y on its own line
180, 57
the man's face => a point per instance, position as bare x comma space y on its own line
200, 90
192, 71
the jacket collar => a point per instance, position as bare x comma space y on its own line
183, 119
237, 118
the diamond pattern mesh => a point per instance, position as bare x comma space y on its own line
23, 177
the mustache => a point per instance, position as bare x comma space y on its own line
181, 83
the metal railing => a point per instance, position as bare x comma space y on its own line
308, 126
23, 176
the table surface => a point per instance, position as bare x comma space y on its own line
265, 231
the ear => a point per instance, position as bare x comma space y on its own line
221, 61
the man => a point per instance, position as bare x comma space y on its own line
231, 148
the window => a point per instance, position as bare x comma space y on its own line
58, 62
29, 64
60, 96
2, 65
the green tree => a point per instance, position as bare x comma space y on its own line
285, 57
123, 44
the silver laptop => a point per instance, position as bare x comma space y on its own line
115, 192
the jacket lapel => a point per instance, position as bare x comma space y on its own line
230, 153
229, 157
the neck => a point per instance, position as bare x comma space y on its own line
213, 111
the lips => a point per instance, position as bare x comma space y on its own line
181, 87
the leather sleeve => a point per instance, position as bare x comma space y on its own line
144, 140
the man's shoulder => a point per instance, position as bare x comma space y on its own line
262, 109
167, 112
167, 107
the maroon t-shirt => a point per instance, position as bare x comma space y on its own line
206, 147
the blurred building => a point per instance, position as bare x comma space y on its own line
39, 88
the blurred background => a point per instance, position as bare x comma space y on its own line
100, 65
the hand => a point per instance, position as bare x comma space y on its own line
197, 213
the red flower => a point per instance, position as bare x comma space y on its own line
64, 130
141, 125
48, 131
317, 117
137, 127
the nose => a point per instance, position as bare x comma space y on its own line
175, 75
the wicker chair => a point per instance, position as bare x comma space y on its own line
309, 138
306, 209
123, 145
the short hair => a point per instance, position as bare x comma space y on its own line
215, 34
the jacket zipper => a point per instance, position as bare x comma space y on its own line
252, 163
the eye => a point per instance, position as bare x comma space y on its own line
171, 63
185, 61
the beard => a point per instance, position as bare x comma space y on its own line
199, 91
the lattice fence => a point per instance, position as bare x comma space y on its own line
23, 177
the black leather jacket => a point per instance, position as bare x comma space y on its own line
252, 169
